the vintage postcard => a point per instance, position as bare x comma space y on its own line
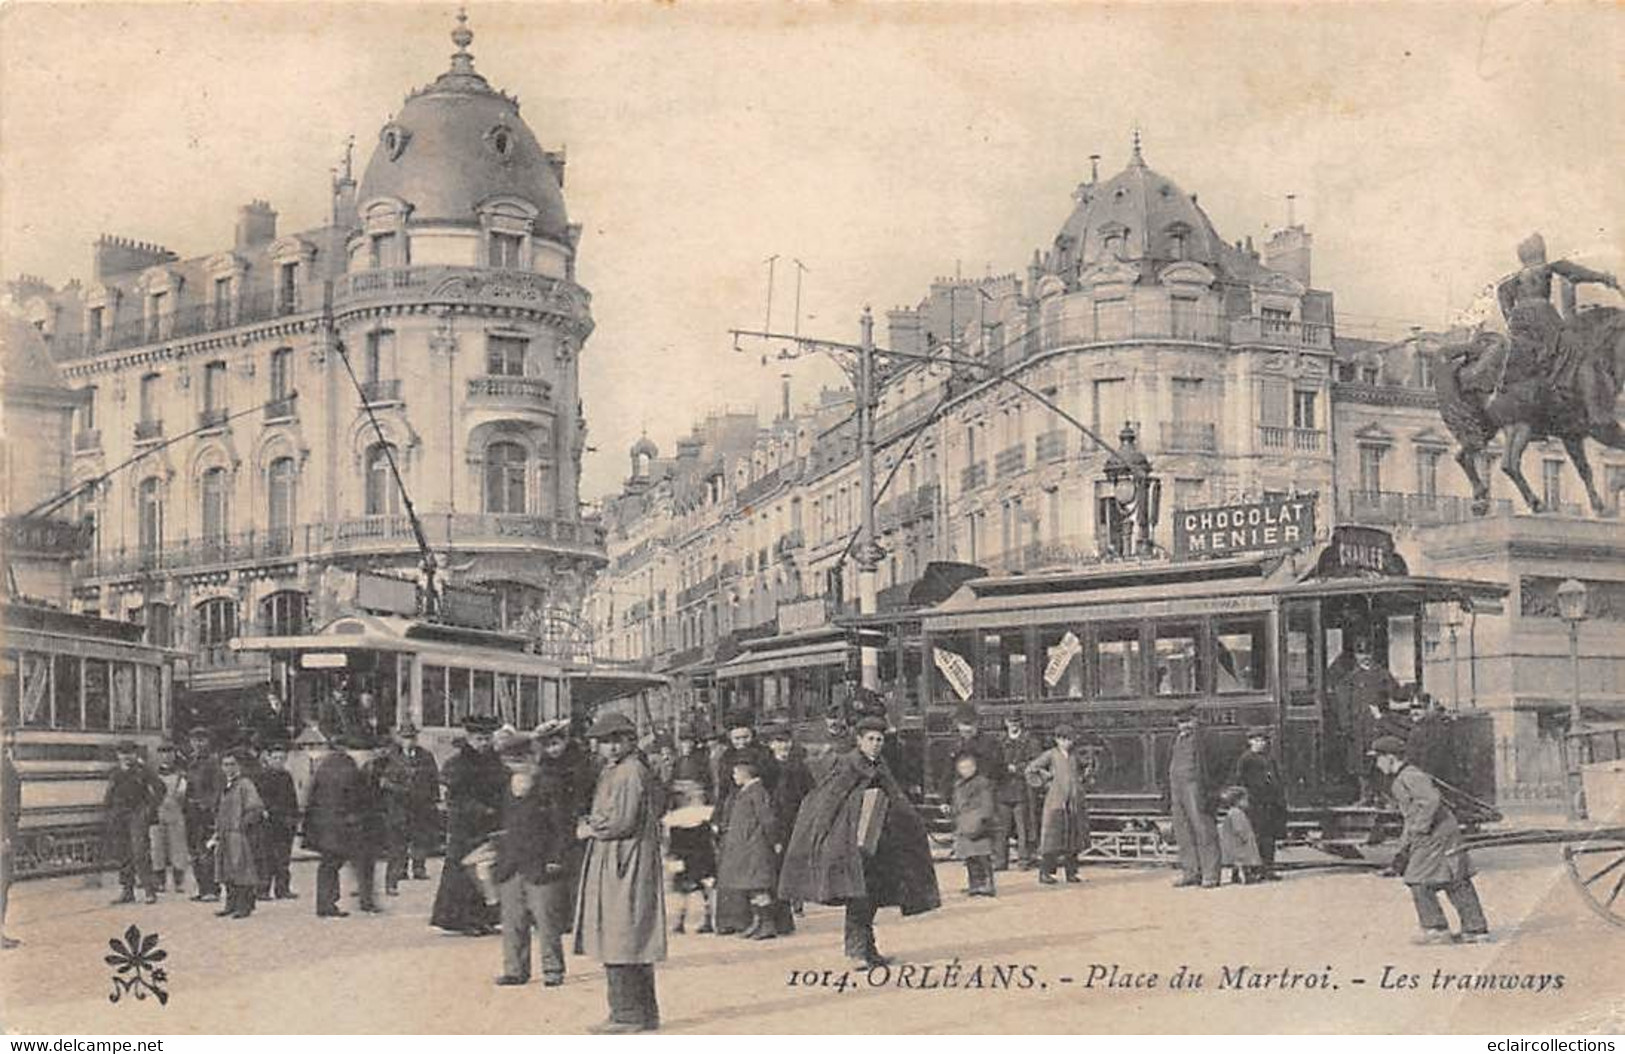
772, 518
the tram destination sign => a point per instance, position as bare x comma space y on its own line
1248, 527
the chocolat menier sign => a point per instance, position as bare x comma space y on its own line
1249, 527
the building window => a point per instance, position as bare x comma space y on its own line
287, 289
159, 622
1188, 493
214, 388
222, 301
1427, 472
1345, 372
505, 468
1273, 403
281, 365
1424, 369
281, 479
382, 496
150, 514
1371, 468
1303, 409
216, 625
1184, 316
87, 409
1551, 484
1275, 319
380, 352
1110, 407
383, 249
149, 399
283, 614
506, 249
94, 325
1368, 375
213, 495
505, 356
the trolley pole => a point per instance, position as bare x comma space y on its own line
868, 554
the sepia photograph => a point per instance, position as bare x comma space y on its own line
761, 518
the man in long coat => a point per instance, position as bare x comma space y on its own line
827, 863
1431, 857
202, 792
475, 783
1360, 692
1191, 793
1065, 832
334, 806
275, 785
620, 916
133, 795
409, 783
1016, 802
237, 812
1257, 771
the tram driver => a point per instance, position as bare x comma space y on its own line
1360, 692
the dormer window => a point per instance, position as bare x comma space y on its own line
383, 249
95, 325
501, 140
507, 250
222, 301
287, 289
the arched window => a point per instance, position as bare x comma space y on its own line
216, 625
150, 513
505, 467
283, 614
280, 482
212, 494
382, 496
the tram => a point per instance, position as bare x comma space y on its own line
1117, 650
432, 674
71, 687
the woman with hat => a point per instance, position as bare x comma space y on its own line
620, 915
1432, 858
475, 783
1064, 832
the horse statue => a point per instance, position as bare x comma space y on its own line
1568, 393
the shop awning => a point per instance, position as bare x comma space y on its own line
593, 687
826, 653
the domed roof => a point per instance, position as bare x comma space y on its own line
645, 447
1147, 216
456, 144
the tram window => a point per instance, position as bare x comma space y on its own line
1004, 664
1300, 657
483, 700
1402, 648
1241, 654
98, 714
457, 693
149, 687
508, 700
121, 690
1117, 657
1177, 668
434, 697
551, 710
1061, 651
953, 677
34, 689
65, 689
530, 702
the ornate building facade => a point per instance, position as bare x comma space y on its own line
272, 391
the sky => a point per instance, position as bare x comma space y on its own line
881, 145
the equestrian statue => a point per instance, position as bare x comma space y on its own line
1552, 376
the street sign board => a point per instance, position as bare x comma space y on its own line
1245, 527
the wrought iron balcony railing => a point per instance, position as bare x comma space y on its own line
148, 431
380, 392
507, 389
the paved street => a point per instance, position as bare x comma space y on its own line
286, 971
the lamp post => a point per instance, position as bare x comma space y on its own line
1453, 619
1571, 605
1128, 471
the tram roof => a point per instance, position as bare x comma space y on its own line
385, 632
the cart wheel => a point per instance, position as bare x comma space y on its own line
1597, 869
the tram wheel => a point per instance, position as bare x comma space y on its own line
1597, 869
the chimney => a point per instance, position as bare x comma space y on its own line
1094, 168
784, 397
1289, 251
118, 256
344, 214
256, 224
1291, 210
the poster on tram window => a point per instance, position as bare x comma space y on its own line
577, 420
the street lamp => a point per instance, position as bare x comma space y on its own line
1134, 491
1571, 605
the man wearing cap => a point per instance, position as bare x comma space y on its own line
409, 782
1360, 692
334, 806
1431, 856
1016, 804
861, 858
281, 800
237, 812
837, 741
475, 782
203, 781
1065, 777
1191, 794
691, 764
620, 915
1257, 772
134, 793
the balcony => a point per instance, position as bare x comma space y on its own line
1195, 437
213, 419
280, 409
728, 571
973, 477
381, 393
1279, 332
788, 543
1393, 509
187, 321
1050, 446
87, 441
1308, 440
526, 391
1011, 461
1298, 440
149, 431
460, 285
190, 553
697, 592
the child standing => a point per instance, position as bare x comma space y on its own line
1238, 846
749, 861
973, 824
691, 852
